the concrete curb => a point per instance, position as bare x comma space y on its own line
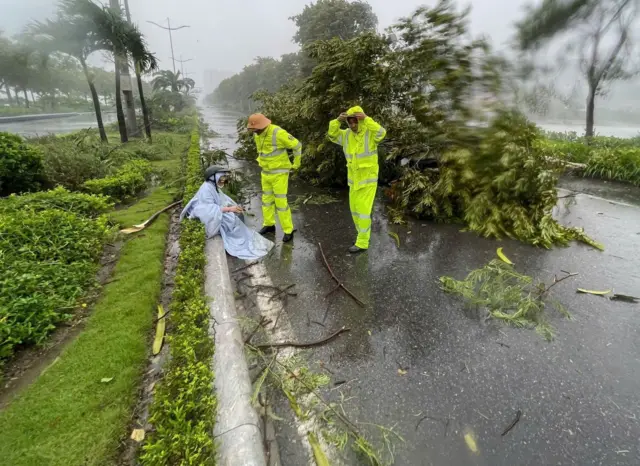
237, 428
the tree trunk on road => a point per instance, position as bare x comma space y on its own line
591, 107
122, 124
96, 101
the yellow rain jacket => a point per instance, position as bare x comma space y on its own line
360, 149
361, 152
272, 147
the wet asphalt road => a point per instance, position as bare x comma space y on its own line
579, 395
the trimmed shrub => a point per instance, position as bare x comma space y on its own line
87, 205
129, 181
21, 168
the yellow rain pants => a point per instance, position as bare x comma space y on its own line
361, 204
274, 198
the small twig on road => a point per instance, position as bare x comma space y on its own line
245, 267
283, 290
262, 323
303, 345
482, 414
245, 277
332, 291
555, 282
340, 285
318, 323
513, 424
503, 344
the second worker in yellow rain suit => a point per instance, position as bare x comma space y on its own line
273, 143
360, 145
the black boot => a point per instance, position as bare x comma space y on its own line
355, 249
287, 237
267, 229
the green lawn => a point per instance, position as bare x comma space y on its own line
68, 416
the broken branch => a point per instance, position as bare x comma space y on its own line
340, 285
304, 345
149, 221
245, 267
262, 323
555, 282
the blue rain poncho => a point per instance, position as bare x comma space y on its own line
239, 240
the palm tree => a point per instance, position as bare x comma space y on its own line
73, 35
84, 27
188, 84
142, 64
167, 79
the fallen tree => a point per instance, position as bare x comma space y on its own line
454, 151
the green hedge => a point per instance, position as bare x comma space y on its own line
183, 411
129, 181
21, 168
87, 205
49, 252
605, 158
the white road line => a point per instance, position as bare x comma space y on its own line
274, 310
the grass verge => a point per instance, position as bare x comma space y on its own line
78, 409
183, 410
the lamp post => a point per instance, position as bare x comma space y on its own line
169, 28
181, 61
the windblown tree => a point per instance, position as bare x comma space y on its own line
598, 32
82, 28
327, 19
166, 79
74, 34
429, 84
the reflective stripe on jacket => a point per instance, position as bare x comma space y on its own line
360, 149
272, 147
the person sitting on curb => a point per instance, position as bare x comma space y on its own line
273, 143
219, 212
360, 146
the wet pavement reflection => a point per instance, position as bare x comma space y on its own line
56, 126
579, 395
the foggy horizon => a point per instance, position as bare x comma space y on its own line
227, 36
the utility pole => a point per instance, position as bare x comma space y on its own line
181, 61
169, 28
125, 82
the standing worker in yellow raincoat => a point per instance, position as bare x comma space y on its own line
272, 143
360, 145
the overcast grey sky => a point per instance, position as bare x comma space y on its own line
228, 34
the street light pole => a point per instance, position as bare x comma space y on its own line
171, 43
169, 28
182, 62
